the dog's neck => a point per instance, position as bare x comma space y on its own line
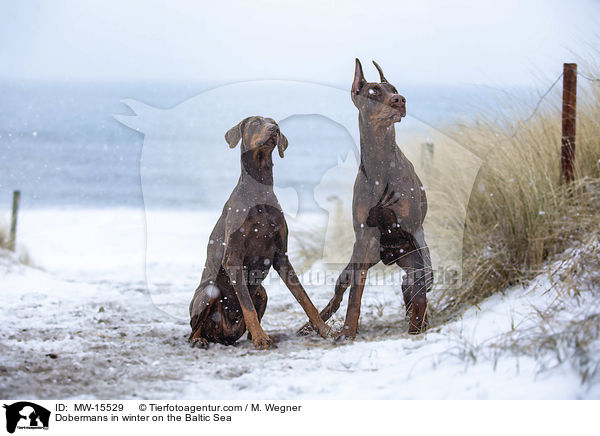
377, 147
260, 171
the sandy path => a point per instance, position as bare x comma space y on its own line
68, 339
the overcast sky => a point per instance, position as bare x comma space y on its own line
502, 42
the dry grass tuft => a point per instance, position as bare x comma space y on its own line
519, 215
4, 235
23, 254
3, 238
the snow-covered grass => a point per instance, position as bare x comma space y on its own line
3, 236
556, 318
94, 335
519, 214
22, 253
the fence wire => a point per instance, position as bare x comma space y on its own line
591, 79
544, 95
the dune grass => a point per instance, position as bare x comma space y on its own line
3, 237
22, 253
519, 215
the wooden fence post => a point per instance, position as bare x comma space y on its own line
13, 222
569, 106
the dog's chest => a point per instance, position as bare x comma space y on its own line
263, 232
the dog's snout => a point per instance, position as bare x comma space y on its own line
273, 128
398, 102
398, 99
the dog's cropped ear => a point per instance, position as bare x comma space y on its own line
282, 144
382, 78
234, 135
359, 78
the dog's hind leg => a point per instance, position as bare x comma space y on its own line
361, 253
343, 282
200, 308
260, 301
260, 304
417, 282
341, 285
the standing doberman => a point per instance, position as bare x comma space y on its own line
388, 208
249, 237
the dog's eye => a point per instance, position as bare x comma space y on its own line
372, 91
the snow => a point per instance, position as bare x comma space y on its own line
117, 335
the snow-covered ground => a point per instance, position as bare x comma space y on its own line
85, 323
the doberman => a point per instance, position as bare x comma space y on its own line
388, 208
250, 236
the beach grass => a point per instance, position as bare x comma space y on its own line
519, 214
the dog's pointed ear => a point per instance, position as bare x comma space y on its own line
382, 78
359, 78
234, 135
282, 144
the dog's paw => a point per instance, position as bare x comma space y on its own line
325, 331
417, 326
306, 329
262, 342
345, 334
199, 343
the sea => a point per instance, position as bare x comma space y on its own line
61, 144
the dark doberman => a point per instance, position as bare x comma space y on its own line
388, 208
249, 237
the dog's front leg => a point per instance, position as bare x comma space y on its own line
359, 278
365, 254
233, 265
285, 270
343, 282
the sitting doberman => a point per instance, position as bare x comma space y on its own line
388, 209
249, 237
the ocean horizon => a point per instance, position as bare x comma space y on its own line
62, 147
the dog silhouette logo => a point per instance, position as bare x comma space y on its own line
26, 415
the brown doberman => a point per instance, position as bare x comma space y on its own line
250, 236
388, 209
